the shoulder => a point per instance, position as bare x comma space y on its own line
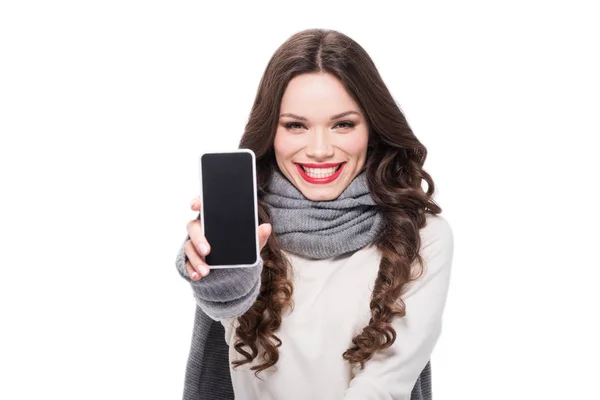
437, 233
437, 246
437, 249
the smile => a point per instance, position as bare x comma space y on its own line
320, 173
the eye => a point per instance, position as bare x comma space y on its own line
294, 125
346, 124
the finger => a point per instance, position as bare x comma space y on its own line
198, 240
195, 203
192, 273
195, 261
264, 231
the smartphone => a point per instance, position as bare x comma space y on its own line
229, 213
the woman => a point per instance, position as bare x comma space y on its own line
348, 299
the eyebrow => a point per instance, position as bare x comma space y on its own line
336, 116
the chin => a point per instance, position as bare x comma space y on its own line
319, 193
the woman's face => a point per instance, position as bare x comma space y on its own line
322, 135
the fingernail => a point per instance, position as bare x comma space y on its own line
194, 275
203, 269
192, 202
203, 248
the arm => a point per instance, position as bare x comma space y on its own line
391, 373
224, 293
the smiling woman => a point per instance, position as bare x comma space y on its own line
317, 147
347, 301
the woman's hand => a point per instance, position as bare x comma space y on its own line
198, 247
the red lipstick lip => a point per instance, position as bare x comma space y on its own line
320, 180
327, 165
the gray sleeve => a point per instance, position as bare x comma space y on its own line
225, 292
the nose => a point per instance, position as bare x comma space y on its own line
320, 147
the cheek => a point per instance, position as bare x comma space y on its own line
281, 149
361, 145
284, 145
356, 144
280, 146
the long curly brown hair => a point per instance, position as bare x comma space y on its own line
394, 167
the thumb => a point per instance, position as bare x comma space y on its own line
264, 231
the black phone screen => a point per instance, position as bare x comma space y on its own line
229, 208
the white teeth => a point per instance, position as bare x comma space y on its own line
319, 172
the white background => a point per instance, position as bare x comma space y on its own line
105, 106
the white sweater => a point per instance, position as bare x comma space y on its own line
331, 299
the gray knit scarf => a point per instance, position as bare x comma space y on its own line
322, 229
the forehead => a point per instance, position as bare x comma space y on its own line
316, 95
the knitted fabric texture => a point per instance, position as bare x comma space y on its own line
311, 229
322, 229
